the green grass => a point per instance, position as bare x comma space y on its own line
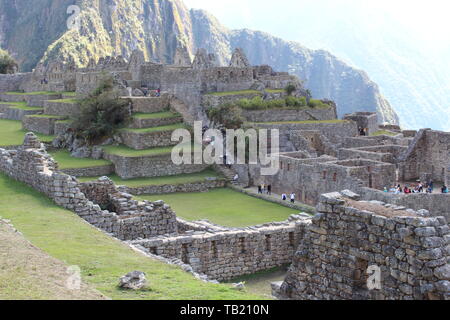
74, 101
66, 161
102, 260
275, 90
157, 115
48, 116
224, 207
31, 93
301, 122
158, 181
69, 93
128, 152
158, 129
12, 134
21, 105
234, 93
384, 132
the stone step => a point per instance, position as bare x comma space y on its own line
149, 120
141, 139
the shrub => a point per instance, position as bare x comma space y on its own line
290, 89
227, 116
7, 63
101, 114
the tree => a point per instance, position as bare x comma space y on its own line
226, 116
7, 63
290, 89
101, 114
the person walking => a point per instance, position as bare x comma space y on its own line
284, 197
292, 197
259, 189
269, 190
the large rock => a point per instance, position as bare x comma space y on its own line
135, 280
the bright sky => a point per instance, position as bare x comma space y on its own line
428, 20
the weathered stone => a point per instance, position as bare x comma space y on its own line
135, 280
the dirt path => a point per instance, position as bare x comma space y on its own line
28, 273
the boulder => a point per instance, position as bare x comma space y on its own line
135, 280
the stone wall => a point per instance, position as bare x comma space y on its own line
32, 165
347, 237
365, 120
150, 104
97, 171
307, 114
139, 123
437, 204
150, 166
201, 186
12, 82
14, 113
224, 255
145, 140
61, 108
44, 125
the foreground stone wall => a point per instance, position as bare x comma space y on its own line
224, 255
346, 237
32, 165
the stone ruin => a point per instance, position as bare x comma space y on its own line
330, 252
348, 240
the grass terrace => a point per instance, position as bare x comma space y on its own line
66, 161
32, 93
157, 115
21, 105
384, 133
225, 207
49, 116
12, 134
125, 151
159, 181
301, 122
275, 90
102, 259
234, 93
159, 129
68, 100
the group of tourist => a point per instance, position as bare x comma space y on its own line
263, 189
145, 91
419, 188
362, 131
44, 81
292, 197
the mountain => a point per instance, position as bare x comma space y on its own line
412, 72
117, 27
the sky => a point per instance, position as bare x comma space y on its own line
427, 20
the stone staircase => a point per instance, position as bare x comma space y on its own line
228, 173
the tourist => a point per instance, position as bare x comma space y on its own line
145, 91
259, 189
236, 178
393, 190
292, 197
158, 92
284, 197
420, 187
385, 189
269, 190
444, 189
263, 187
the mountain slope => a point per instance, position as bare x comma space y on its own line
157, 27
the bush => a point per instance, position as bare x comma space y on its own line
290, 89
7, 63
101, 114
226, 116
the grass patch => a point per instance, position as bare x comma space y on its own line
384, 133
102, 260
157, 115
159, 181
275, 90
74, 101
66, 161
234, 93
69, 93
158, 129
31, 93
125, 151
47, 116
21, 105
301, 122
12, 134
225, 207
